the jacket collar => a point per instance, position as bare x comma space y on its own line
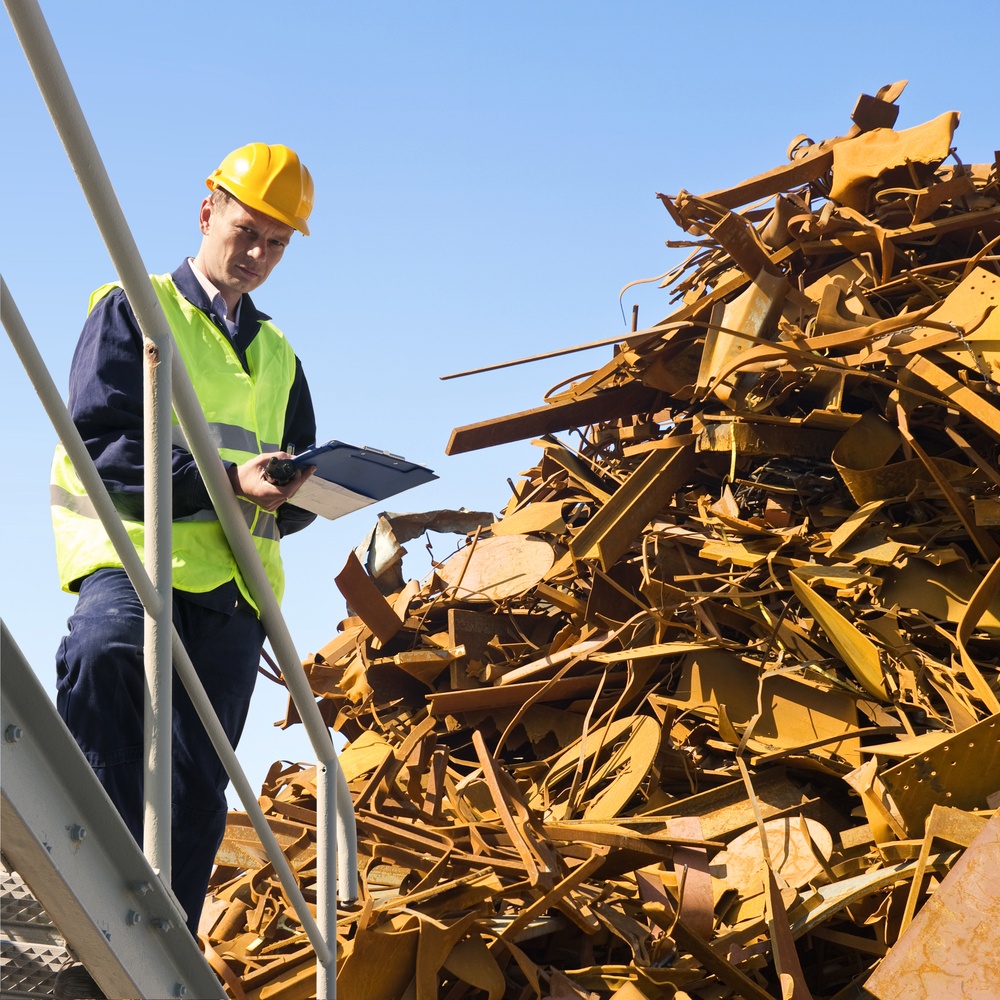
190, 287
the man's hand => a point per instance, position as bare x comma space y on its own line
249, 480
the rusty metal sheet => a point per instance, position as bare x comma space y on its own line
858, 163
962, 772
950, 948
554, 417
492, 569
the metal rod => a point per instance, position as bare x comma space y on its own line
97, 492
52, 401
68, 118
636, 336
157, 629
326, 907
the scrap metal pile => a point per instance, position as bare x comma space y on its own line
712, 709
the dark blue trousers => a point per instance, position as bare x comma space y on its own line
100, 695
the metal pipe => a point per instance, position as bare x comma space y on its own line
635, 337
220, 490
52, 401
48, 393
157, 629
325, 951
336, 832
326, 903
71, 124
67, 116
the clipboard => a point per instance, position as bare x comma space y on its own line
348, 478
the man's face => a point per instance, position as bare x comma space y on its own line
239, 246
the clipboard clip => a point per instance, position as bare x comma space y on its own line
387, 454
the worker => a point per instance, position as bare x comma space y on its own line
256, 400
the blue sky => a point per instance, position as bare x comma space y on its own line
485, 186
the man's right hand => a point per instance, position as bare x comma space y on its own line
280, 471
250, 480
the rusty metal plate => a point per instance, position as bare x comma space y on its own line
961, 772
950, 950
792, 854
497, 568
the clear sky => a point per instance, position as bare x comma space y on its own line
485, 186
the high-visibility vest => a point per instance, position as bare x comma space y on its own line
246, 417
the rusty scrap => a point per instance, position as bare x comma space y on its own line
712, 708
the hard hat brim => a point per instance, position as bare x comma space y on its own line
249, 198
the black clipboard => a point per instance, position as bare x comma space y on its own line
367, 471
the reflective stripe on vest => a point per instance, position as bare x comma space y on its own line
261, 527
226, 436
246, 416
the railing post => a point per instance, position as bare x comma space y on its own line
326, 889
158, 628
67, 115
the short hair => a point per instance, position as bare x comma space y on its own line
219, 197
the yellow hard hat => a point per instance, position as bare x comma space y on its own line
270, 179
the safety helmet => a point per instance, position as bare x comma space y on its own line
270, 179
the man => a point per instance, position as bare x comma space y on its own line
255, 397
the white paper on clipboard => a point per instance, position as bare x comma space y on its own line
327, 499
375, 475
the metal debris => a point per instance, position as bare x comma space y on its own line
712, 709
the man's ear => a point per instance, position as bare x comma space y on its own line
204, 215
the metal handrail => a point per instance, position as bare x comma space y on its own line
57, 91
337, 852
46, 389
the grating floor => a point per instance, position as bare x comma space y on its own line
31, 950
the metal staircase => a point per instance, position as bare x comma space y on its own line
64, 838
